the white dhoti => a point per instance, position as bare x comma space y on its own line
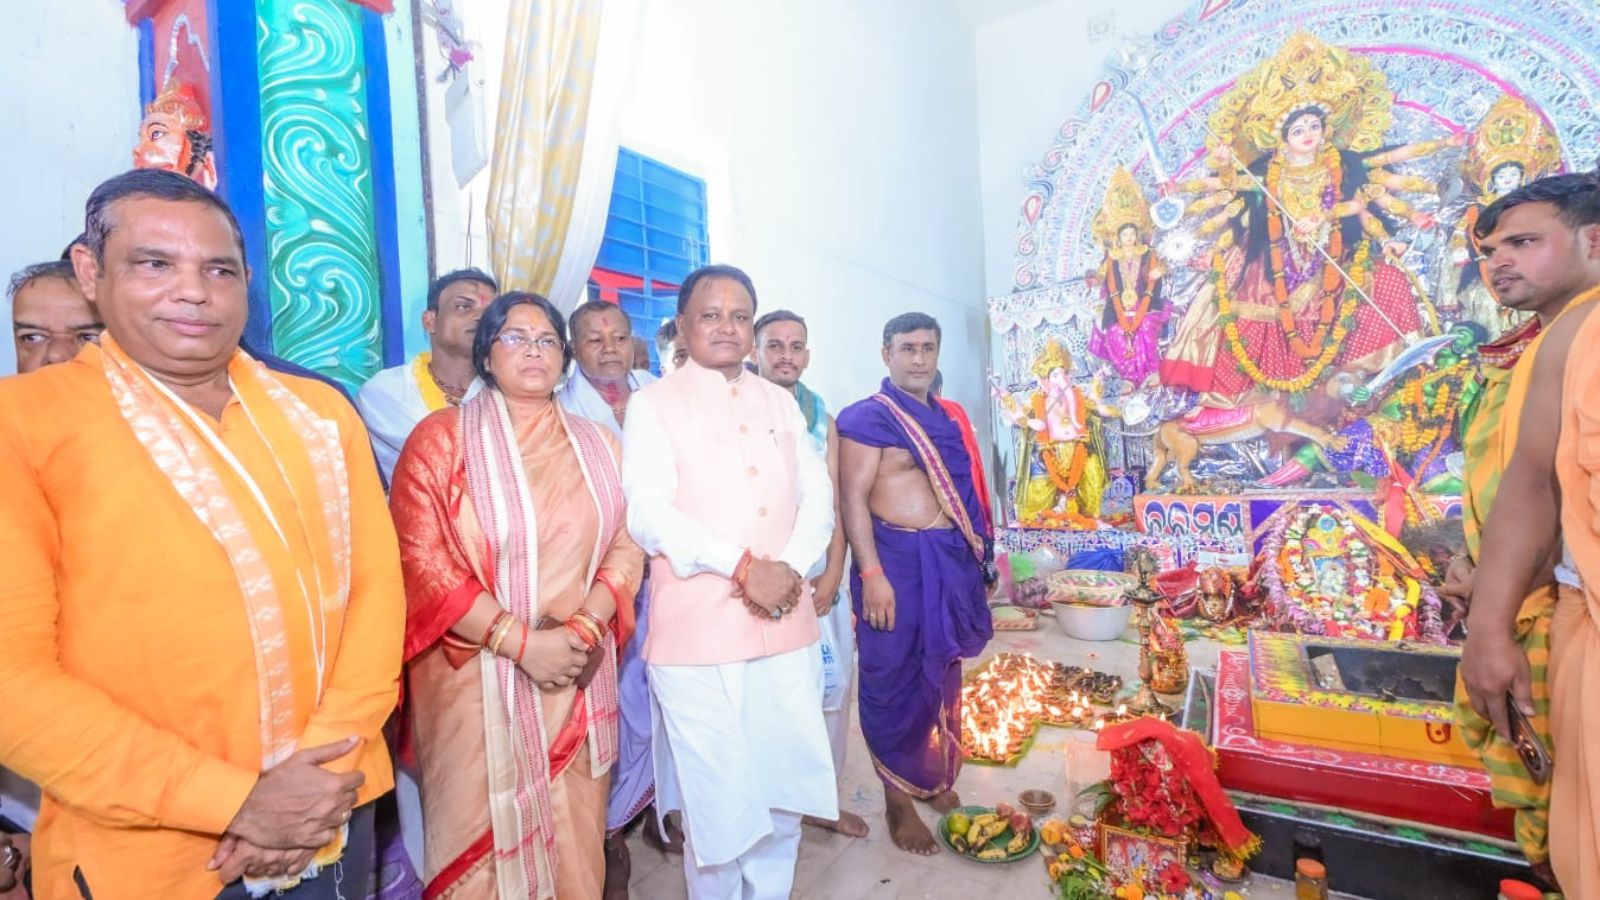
742, 750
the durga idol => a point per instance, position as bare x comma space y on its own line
1305, 272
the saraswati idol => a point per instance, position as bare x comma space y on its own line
1511, 146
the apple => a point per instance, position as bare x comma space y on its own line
1020, 823
1005, 810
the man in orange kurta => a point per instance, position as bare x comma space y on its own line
1545, 237
201, 612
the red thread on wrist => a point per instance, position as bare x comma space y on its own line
741, 569
875, 570
523, 646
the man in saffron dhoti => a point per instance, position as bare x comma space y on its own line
729, 496
201, 614
1491, 413
922, 548
393, 401
1544, 238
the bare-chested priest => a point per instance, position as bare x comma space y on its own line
922, 548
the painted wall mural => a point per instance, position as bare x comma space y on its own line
1245, 266
317, 175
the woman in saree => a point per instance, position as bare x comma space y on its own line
520, 577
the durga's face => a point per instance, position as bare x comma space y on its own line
1128, 236
1304, 135
163, 144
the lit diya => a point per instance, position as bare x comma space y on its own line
1003, 704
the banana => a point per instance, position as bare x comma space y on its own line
985, 833
992, 853
1017, 845
959, 842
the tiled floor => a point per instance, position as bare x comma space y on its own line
833, 867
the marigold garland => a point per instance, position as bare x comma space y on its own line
1292, 606
1066, 483
1332, 165
1359, 269
1423, 423
1115, 285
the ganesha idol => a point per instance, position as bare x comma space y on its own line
174, 136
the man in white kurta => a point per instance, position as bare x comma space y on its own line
393, 401
603, 376
728, 494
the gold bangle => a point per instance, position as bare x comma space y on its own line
501, 634
590, 616
587, 627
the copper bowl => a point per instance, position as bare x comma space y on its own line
1038, 803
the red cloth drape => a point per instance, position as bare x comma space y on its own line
1189, 754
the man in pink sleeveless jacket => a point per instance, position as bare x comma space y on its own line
733, 502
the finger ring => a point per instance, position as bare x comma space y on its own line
11, 859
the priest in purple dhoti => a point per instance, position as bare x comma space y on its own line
922, 550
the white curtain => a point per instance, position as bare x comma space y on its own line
555, 143
592, 199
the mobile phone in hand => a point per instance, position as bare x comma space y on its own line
1535, 755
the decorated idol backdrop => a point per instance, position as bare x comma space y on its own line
1245, 271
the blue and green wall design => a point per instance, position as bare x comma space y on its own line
307, 96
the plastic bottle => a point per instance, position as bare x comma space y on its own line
1310, 880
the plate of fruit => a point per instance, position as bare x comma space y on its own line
997, 834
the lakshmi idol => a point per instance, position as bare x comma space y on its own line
1277, 316
1130, 281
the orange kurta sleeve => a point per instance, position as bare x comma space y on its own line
83, 747
363, 684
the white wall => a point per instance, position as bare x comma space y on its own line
1034, 69
71, 72
838, 142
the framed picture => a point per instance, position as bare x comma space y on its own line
1131, 856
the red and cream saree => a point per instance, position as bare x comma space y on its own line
513, 778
